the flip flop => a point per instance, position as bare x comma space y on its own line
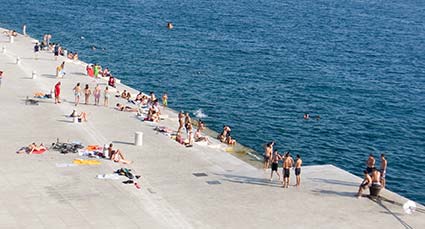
137, 185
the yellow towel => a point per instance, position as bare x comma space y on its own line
86, 162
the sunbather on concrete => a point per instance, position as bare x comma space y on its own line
33, 147
121, 107
198, 134
81, 117
117, 155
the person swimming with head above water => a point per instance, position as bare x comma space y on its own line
170, 25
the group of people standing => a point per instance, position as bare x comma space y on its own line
273, 157
373, 177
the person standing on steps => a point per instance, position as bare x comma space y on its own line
77, 93
87, 93
268, 150
287, 165
96, 94
275, 158
383, 169
298, 163
106, 97
24, 29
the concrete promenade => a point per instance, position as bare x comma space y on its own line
36, 193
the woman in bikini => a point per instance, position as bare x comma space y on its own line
117, 155
96, 94
106, 97
87, 93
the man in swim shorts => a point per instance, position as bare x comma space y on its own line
383, 169
367, 181
287, 164
275, 164
268, 150
298, 164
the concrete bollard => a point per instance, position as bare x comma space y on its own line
105, 151
18, 60
138, 138
75, 119
11, 39
3, 50
34, 74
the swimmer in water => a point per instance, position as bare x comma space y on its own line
170, 25
306, 116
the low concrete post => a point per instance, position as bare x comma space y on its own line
105, 151
138, 138
34, 74
3, 50
11, 39
18, 60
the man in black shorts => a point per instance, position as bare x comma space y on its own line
275, 164
287, 164
298, 164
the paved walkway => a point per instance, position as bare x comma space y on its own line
36, 193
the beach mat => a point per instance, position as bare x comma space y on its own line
39, 151
86, 162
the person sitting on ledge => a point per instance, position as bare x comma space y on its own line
225, 136
124, 94
198, 134
117, 155
75, 57
121, 107
81, 117
367, 181
111, 81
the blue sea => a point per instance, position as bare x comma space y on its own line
259, 65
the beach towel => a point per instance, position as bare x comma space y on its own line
39, 151
94, 148
79, 161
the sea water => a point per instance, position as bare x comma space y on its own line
259, 65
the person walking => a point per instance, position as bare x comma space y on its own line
287, 165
